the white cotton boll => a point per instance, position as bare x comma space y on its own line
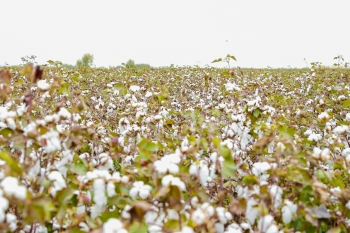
219, 227
11, 220
52, 141
325, 155
316, 152
288, 211
141, 190
314, 137
323, 116
11, 187
345, 152
222, 106
113, 225
347, 117
260, 168
203, 174
11, 123
148, 94
234, 228
341, 129
172, 214
198, 217
134, 88
208, 208
4, 204
43, 85
272, 229
64, 113
231, 87
171, 180
308, 132
276, 193
251, 211
110, 189
58, 182
84, 227
265, 222
193, 169
186, 229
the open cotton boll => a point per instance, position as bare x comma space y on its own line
288, 211
52, 141
58, 182
11, 188
260, 167
323, 116
252, 210
64, 113
4, 204
198, 216
340, 129
185, 229
113, 225
171, 180
43, 85
140, 189
134, 88
11, 123
276, 193
265, 223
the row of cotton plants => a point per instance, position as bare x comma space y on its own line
174, 150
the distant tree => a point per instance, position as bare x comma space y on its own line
142, 65
86, 61
131, 64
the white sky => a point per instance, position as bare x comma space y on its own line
274, 33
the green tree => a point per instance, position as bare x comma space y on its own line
130, 64
86, 61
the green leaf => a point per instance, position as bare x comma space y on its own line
217, 60
257, 112
50, 62
15, 168
346, 103
121, 88
216, 141
138, 227
334, 230
147, 145
229, 166
230, 56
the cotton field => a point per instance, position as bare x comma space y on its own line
174, 150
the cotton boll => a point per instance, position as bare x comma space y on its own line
64, 113
288, 211
316, 153
11, 123
11, 188
113, 225
134, 88
141, 190
43, 85
110, 189
325, 155
265, 222
198, 216
252, 210
58, 182
323, 116
276, 193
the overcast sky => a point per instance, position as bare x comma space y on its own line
275, 33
